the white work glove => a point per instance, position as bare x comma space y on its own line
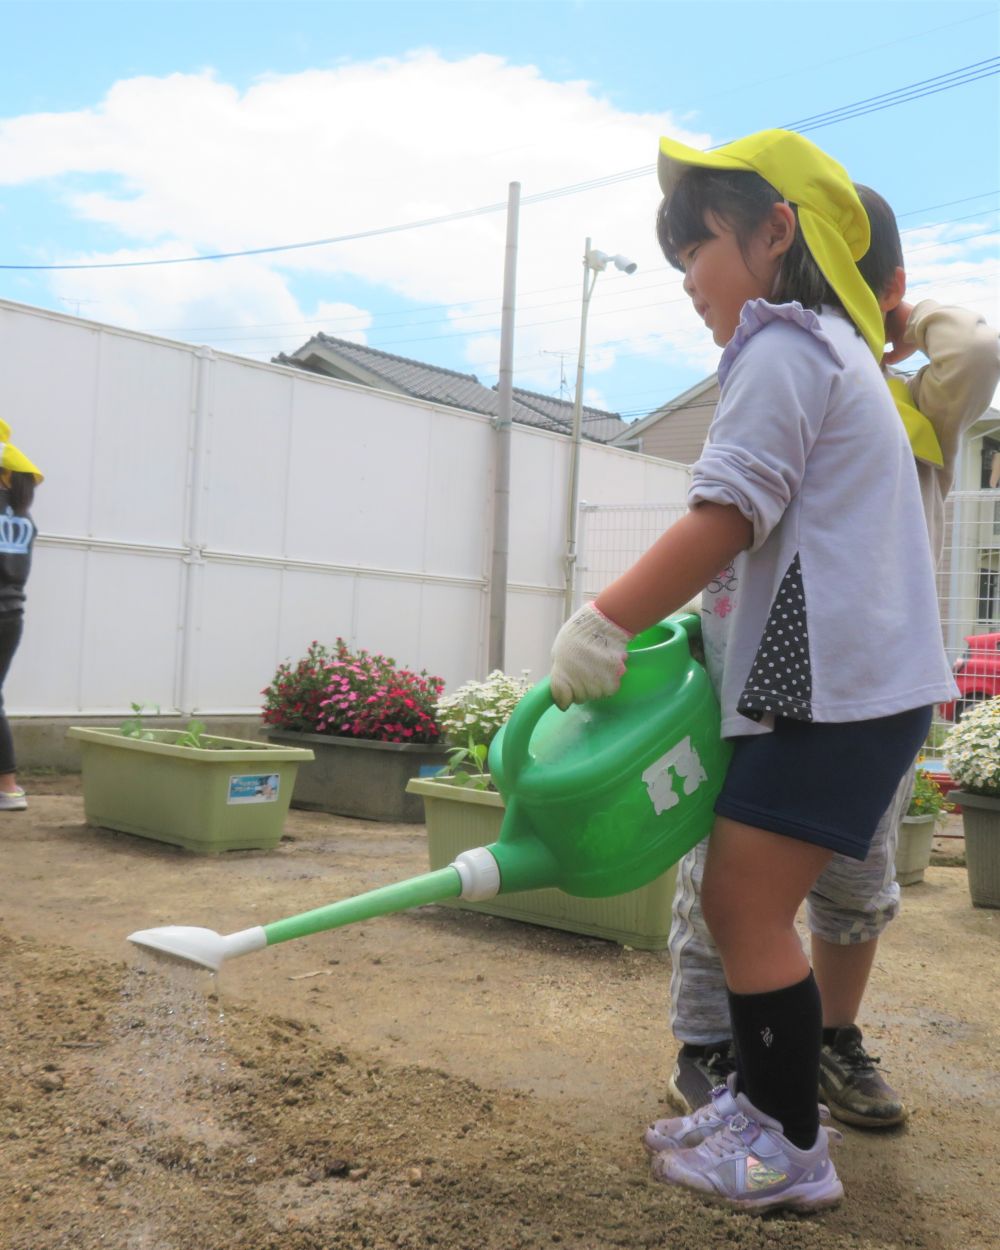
588, 658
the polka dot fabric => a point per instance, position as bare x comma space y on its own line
781, 678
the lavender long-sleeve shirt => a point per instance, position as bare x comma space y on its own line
831, 615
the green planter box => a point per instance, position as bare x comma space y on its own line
459, 818
358, 777
232, 797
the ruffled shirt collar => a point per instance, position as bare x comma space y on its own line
757, 313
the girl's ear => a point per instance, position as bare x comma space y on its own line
780, 231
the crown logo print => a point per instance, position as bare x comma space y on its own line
15, 533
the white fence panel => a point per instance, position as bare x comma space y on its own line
205, 517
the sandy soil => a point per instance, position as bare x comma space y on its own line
434, 1079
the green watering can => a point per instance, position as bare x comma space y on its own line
599, 800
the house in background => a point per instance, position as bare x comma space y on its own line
353, 362
677, 429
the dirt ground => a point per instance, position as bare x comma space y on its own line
432, 1079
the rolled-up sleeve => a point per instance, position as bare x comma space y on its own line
770, 413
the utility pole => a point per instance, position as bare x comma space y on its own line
501, 476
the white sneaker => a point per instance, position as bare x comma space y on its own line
13, 800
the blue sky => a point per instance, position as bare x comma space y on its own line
133, 131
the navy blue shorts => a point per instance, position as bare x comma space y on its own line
829, 784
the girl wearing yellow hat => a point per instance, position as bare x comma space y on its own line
807, 495
18, 478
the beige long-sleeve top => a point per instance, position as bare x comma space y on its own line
953, 390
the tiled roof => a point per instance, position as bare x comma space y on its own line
597, 424
355, 362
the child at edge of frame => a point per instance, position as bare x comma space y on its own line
808, 480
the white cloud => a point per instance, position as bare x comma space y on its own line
186, 163
252, 313
955, 263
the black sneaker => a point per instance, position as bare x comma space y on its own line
695, 1075
852, 1088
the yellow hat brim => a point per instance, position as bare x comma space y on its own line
15, 461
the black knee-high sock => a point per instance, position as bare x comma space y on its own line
778, 1036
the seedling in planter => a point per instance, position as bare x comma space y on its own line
192, 736
467, 765
134, 728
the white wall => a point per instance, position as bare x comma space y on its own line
205, 516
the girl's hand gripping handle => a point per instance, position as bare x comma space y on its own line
588, 658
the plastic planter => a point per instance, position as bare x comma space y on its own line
981, 826
359, 777
459, 818
913, 850
233, 796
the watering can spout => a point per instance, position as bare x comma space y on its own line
475, 875
203, 948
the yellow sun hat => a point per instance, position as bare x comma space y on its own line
832, 218
833, 221
13, 459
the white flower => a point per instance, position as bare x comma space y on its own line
478, 709
972, 749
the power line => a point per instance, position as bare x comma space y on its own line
874, 104
494, 312
860, 108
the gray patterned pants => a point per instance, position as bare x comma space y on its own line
852, 902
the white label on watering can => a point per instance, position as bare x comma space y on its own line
253, 788
682, 760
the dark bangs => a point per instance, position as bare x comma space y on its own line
743, 201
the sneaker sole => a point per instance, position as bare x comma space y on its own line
820, 1197
814, 1198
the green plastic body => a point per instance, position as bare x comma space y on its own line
600, 800
604, 797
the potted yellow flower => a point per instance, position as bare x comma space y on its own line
917, 827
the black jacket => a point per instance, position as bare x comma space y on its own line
17, 538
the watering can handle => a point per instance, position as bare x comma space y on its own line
520, 727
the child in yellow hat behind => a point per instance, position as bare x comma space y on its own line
18, 478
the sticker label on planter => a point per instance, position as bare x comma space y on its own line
254, 788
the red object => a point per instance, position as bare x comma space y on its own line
977, 674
